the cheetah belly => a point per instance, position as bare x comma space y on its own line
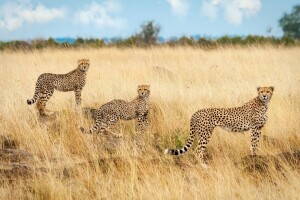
240, 128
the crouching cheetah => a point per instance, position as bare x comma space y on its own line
72, 81
115, 110
251, 116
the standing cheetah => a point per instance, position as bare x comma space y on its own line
115, 110
72, 81
251, 116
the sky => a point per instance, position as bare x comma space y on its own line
29, 19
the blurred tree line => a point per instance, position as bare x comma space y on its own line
148, 37
141, 42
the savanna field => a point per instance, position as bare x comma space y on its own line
67, 164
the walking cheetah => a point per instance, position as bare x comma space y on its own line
251, 116
72, 81
115, 110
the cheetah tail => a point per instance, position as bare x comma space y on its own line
34, 99
184, 149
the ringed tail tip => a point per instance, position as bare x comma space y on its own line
166, 151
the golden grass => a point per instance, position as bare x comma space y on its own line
182, 81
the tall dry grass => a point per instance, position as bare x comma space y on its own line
182, 81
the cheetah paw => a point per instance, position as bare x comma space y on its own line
204, 165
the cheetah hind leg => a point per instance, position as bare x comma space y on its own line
112, 131
200, 151
108, 126
202, 143
41, 106
109, 130
44, 96
95, 127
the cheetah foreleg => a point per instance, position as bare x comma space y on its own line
142, 123
255, 134
78, 97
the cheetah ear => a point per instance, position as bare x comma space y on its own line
79, 61
86, 60
272, 88
258, 88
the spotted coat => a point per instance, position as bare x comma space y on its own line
251, 116
115, 110
72, 81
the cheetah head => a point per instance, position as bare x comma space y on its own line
265, 93
83, 65
143, 90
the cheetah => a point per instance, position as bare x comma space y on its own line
115, 110
72, 81
251, 116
